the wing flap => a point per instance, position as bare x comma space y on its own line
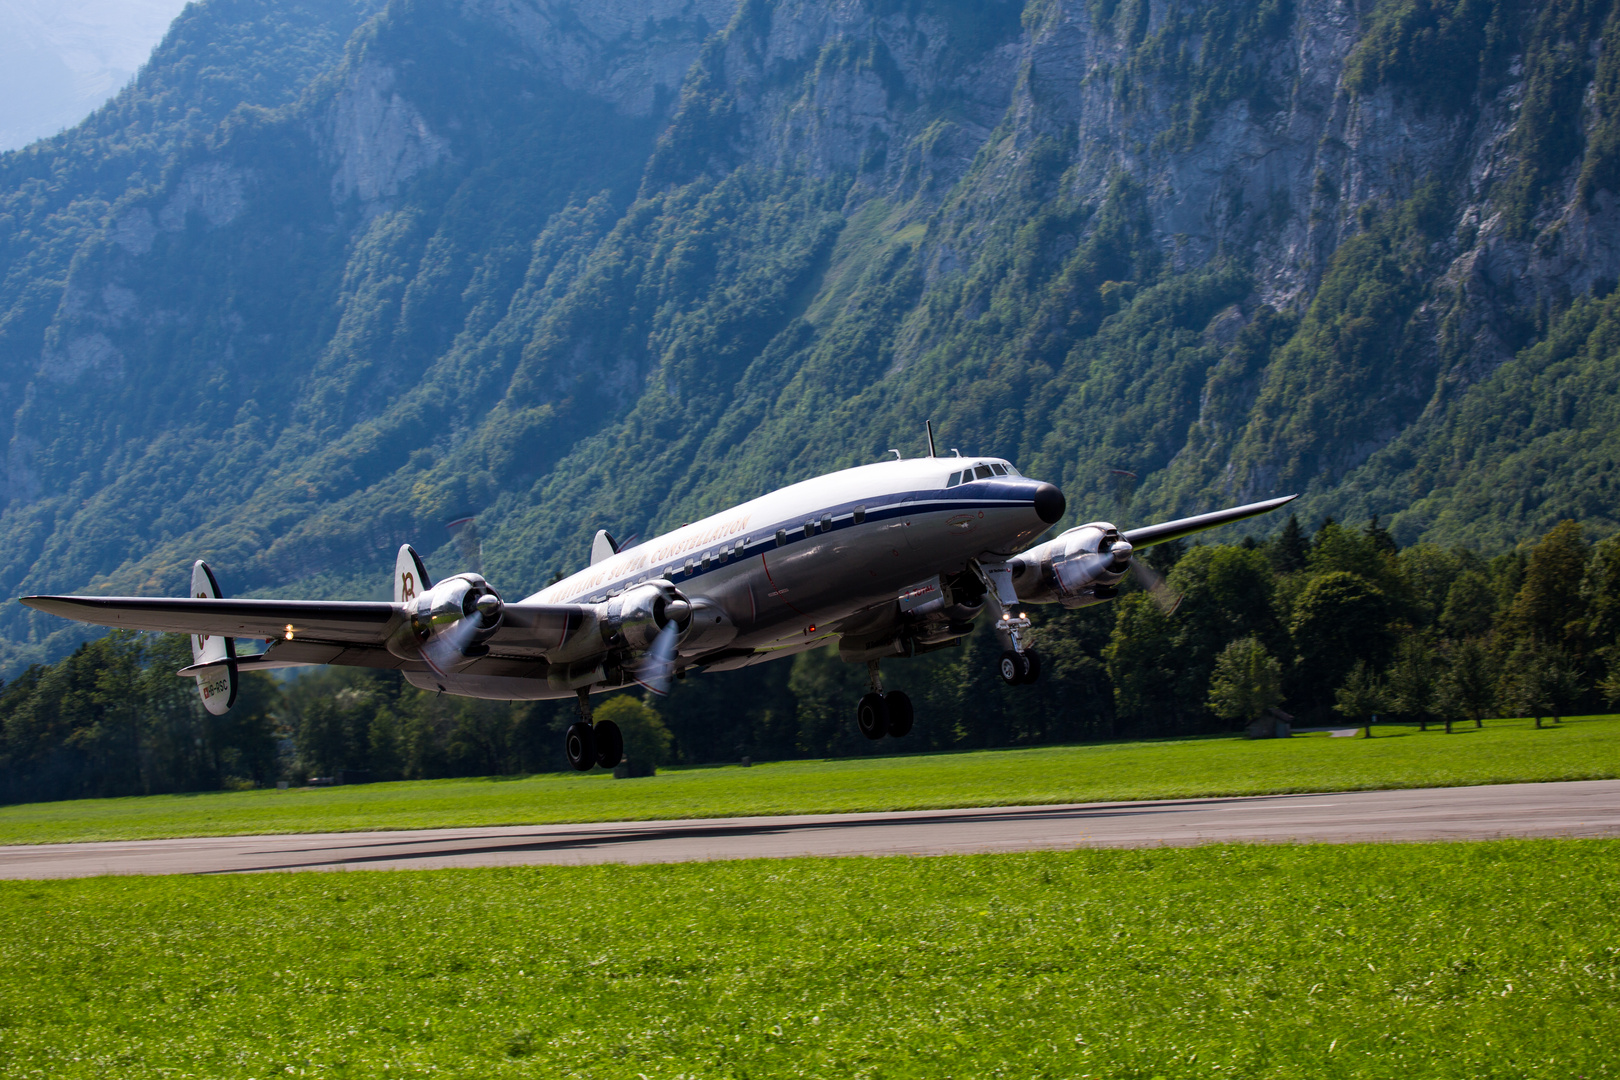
539, 629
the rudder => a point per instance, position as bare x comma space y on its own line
410, 576
219, 683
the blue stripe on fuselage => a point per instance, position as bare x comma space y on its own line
974, 495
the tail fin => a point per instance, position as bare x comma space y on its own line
410, 576
218, 684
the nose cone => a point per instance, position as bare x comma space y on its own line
1050, 503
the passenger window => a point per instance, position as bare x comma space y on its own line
956, 478
781, 538
826, 523
859, 515
999, 470
981, 472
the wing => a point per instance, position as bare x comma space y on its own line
350, 633
350, 622
1166, 531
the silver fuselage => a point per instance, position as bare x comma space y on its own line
805, 564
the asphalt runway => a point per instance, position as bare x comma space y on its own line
1585, 808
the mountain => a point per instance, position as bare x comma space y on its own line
331, 274
61, 59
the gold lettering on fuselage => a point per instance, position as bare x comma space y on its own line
655, 554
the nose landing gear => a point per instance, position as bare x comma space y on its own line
1019, 668
882, 712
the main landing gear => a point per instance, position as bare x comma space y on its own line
883, 713
587, 744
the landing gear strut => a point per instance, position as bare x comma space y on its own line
586, 744
1019, 665
883, 713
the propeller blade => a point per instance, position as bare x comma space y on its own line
441, 650
464, 531
657, 668
1163, 595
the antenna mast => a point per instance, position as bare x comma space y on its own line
929, 424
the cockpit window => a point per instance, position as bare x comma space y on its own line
956, 478
999, 470
981, 472
1013, 472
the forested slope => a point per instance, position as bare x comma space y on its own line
331, 274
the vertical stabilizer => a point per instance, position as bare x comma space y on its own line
603, 547
218, 684
410, 576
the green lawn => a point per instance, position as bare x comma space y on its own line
1498, 959
1505, 751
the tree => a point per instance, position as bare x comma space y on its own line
1412, 679
1339, 548
1470, 606
1380, 538
1142, 664
1290, 549
1247, 681
646, 739
1339, 618
1362, 696
1549, 608
1468, 688
1542, 681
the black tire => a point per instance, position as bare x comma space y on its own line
579, 745
1012, 667
900, 714
609, 744
1033, 675
872, 716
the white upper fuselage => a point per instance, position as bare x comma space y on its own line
783, 570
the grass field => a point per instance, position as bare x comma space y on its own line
1497, 959
1505, 751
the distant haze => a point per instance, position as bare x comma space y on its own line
60, 59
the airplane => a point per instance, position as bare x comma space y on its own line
890, 560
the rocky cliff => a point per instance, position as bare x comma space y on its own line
568, 265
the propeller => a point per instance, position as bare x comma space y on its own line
464, 531
655, 670
442, 649
1163, 595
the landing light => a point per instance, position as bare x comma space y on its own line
289, 631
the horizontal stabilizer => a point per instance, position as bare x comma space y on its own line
259, 662
1149, 535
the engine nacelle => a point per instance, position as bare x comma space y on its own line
1082, 566
637, 616
449, 623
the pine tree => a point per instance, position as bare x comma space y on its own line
1290, 548
1380, 538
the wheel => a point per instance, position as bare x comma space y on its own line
1033, 658
872, 716
580, 745
1012, 667
609, 744
900, 714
